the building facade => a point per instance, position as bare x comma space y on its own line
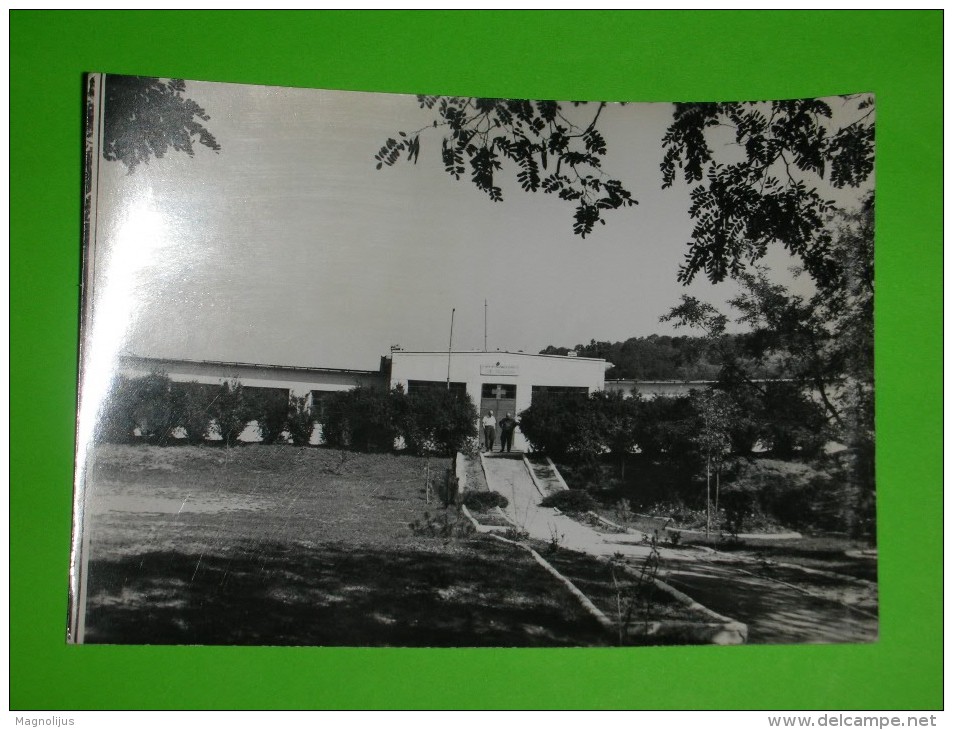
504, 382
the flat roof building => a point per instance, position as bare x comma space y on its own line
499, 381
504, 382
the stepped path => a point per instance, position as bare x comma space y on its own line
779, 604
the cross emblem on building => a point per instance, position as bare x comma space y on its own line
498, 392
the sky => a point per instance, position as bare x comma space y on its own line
288, 247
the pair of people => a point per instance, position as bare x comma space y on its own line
507, 427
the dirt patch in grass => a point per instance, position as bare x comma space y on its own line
285, 545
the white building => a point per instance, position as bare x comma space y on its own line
504, 382
288, 381
294, 380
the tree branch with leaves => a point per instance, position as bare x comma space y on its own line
762, 172
785, 153
147, 117
551, 152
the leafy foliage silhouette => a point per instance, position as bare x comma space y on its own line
551, 152
146, 117
770, 192
762, 187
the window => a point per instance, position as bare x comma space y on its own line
318, 403
270, 398
200, 393
419, 386
561, 391
499, 391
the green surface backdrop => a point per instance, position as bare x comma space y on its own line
646, 56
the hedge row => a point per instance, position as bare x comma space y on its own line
781, 418
155, 409
368, 419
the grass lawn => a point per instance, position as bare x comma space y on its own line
311, 546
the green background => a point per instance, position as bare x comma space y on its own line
632, 55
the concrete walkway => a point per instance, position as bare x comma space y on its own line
779, 605
509, 476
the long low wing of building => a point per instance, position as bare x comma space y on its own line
502, 382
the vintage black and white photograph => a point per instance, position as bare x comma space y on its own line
365, 369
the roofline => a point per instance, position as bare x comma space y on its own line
661, 382
696, 382
222, 363
494, 352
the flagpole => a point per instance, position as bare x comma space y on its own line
450, 346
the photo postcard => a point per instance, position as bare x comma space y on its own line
364, 369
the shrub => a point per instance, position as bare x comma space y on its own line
300, 421
231, 411
738, 506
570, 500
823, 494
193, 402
116, 421
429, 421
361, 419
793, 423
663, 427
483, 501
269, 409
155, 406
555, 425
616, 419
436, 420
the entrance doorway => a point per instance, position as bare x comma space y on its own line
499, 398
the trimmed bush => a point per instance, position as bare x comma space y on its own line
434, 421
117, 419
361, 419
154, 407
300, 421
193, 402
582, 428
143, 404
570, 500
430, 421
483, 501
269, 409
555, 425
231, 411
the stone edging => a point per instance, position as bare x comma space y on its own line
583, 599
726, 630
483, 467
610, 523
743, 536
532, 475
559, 477
460, 472
723, 557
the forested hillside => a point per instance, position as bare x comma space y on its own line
662, 357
